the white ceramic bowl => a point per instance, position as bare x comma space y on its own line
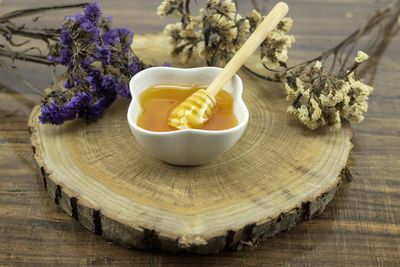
186, 147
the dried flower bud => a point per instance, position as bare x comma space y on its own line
219, 26
361, 56
173, 31
317, 66
318, 98
228, 9
255, 19
357, 102
243, 30
223, 31
184, 37
167, 7
212, 3
274, 49
285, 25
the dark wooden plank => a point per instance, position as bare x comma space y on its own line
360, 226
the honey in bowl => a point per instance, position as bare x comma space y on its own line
159, 101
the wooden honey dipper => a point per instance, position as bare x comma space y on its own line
195, 110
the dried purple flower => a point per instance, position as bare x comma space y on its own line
123, 89
57, 114
93, 11
64, 58
134, 67
78, 102
53, 114
123, 36
114, 35
104, 53
65, 39
100, 105
99, 68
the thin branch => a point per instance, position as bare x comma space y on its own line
349, 53
26, 57
187, 9
43, 34
259, 75
32, 11
33, 48
390, 30
55, 82
369, 25
255, 5
19, 77
11, 42
269, 69
333, 63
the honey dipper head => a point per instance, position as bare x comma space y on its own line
193, 112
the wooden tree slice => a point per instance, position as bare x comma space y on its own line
278, 174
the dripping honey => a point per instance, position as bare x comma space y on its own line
157, 103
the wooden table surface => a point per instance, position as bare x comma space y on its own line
361, 226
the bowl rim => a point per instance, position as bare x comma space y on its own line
190, 130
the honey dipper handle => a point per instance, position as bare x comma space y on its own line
269, 23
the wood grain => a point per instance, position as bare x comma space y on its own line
360, 226
278, 174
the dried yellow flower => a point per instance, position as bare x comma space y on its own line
223, 32
357, 103
184, 37
212, 3
174, 30
285, 25
167, 7
255, 19
274, 50
361, 56
228, 9
318, 98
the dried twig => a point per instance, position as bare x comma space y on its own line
255, 5
19, 77
42, 34
8, 29
372, 23
25, 57
378, 47
37, 10
387, 16
260, 76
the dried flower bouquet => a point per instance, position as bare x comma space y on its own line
100, 60
317, 97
